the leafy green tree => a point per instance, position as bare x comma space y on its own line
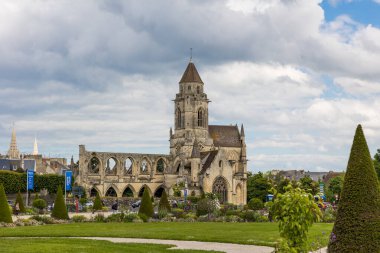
295, 211
164, 202
146, 207
256, 204
357, 226
309, 185
97, 203
376, 163
5, 213
258, 186
335, 186
20, 203
282, 184
59, 210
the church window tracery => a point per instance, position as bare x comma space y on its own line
220, 189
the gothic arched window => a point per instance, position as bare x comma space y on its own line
160, 166
220, 189
200, 117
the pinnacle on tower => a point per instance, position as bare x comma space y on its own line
13, 152
242, 134
35, 147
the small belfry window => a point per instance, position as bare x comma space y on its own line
198, 90
220, 164
189, 87
200, 118
179, 118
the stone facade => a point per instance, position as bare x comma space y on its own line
203, 157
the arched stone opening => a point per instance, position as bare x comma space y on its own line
111, 166
160, 168
111, 192
220, 189
93, 192
141, 192
128, 193
128, 166
144, 167
159, 191
94, 165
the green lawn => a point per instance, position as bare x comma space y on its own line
243, 233
35, 245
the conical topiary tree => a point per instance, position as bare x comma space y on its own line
97, 203
59, 210
5, 213
20, 203
146, 207
164, 202
357, 226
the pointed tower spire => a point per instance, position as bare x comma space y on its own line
35, 147
13, 152
242, 134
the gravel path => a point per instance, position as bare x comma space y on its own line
224, 247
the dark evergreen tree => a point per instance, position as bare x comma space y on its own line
164, 202
59, 210
258, 186
5, 212
146, 207
97, 203
357, 226
20, 203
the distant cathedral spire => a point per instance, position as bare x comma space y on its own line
35, 147
13, 152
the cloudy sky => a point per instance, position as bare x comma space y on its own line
300, 75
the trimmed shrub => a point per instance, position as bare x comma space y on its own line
40, 204
20, 203
146, 207
357, 226
59, 210
99, 218
130, 217
164, 203
5, 213
97, 203
256, 204
116, 217
206, 206
178, 213
143, 217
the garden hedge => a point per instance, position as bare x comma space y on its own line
20, 202
357, 226
14, 182
97, 203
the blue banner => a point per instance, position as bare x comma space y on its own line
30, 178
68, 175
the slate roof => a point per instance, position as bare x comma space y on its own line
191, 75
207, 158
13, 164
225, 136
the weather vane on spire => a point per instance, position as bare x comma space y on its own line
191, 53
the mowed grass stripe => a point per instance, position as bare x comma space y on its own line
65, 245
265, 234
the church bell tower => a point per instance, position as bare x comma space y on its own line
191, 113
